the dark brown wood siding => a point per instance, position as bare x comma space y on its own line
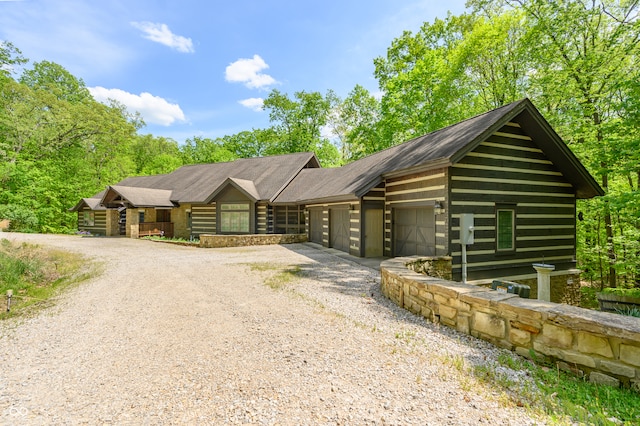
352, 226
416, 190
509, 169
203, 219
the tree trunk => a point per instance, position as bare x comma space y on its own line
609, 231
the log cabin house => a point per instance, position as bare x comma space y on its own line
506, 175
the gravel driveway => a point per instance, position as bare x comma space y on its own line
180, 335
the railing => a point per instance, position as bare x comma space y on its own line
162, 229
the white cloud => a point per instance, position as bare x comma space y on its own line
160, 33
153, 109
252, 103
73, 33
247, 71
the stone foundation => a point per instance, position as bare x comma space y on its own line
433, 266
601, 346
216, 241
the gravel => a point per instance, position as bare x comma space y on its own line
182, 335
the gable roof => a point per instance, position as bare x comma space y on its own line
247, 187
137, 197
261, 178
440, 148
196, 183
92, 203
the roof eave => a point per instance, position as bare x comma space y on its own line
344, 198
571, 167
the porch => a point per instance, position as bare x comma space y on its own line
146, 229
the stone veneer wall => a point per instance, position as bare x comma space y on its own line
211, 241
603, 346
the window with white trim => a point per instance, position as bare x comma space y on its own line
234, 218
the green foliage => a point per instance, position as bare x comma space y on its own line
588, 298
10, 57
34, 274
57, 145
356, 122
22, 218
565, 396
199, 150
632, 311
627, 292
298, 124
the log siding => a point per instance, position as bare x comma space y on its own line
99, 226
413, 191
203, 219
509, 169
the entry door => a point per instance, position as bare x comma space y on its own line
339, 229
373, 232
414, 232
315, 226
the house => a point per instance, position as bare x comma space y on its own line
505, 174
220, 198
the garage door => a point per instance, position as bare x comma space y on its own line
339, 229
315, 226
414, 232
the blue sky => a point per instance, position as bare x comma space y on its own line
201, 68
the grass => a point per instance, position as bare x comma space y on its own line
279, 279
178, 241
563, 396
35, 275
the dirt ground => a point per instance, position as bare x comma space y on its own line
181, 335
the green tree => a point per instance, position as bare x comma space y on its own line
356, 123
198, 150
298, 123
423, 81
10, 58
254, 143
154, 155
56, 80
587, 65
57, 144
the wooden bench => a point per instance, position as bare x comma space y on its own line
151, 232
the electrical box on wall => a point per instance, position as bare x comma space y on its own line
467, 229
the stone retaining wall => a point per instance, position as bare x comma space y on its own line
212, 241
604, 347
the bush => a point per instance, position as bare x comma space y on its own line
22, 218
628, 292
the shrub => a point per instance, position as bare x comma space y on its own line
22, 218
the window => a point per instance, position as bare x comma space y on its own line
163, 215
505, 228
89, 218
140, 216
234, 218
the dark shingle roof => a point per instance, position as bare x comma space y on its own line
441, 147
261, 177
351, 180
93, 203
141, 197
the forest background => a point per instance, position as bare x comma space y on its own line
577, 60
